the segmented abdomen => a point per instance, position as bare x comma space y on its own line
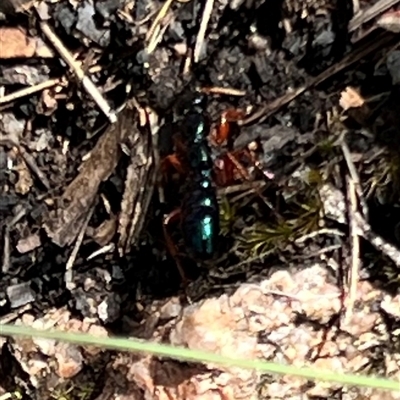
200, 222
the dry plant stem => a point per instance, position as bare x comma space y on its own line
7, 243
152, 33
323, 231
154, 129
223, 91
202, 31
355, 252
188, 62
69, 283
320, 253
12, 316
271, 108
356, 7
244, 186
6, 264
29, 90
89, 86
30, 161
140, 180
157, 37
103, 250
354, 176
17, 218
369, 13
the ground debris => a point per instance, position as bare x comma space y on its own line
20, 294
136, 197
29, 243
16, 44
10, 6
279, 318
393, 64
64, 362
289, 237
87, 26
24, 74
64, 224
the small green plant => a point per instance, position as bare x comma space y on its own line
261, 238
62, 393
16, 395
228, 215
301, 217
71, 391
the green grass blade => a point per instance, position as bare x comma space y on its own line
183, 354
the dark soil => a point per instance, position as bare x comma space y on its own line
265, 50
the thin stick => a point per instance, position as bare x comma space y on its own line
223, 91
354, 176
241, 187
31, 163
152, 33
271, 108
157, 37
370, 13
69, 283
6, 264
29, 90
29, 160
89, 86
202, 31
108, 248
356, 7
355, 252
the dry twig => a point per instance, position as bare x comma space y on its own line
352, 279
152, 36
29, 90
223, 90
6, 264
69, 282
29, 160
202, 31
271, 108
108, 248
31, 163
370, 13
89, 86
354, 176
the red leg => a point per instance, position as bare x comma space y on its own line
222, 131
172, 248
230, 169
171, 161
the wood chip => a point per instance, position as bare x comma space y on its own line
15, 43
64, 225
29, 243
